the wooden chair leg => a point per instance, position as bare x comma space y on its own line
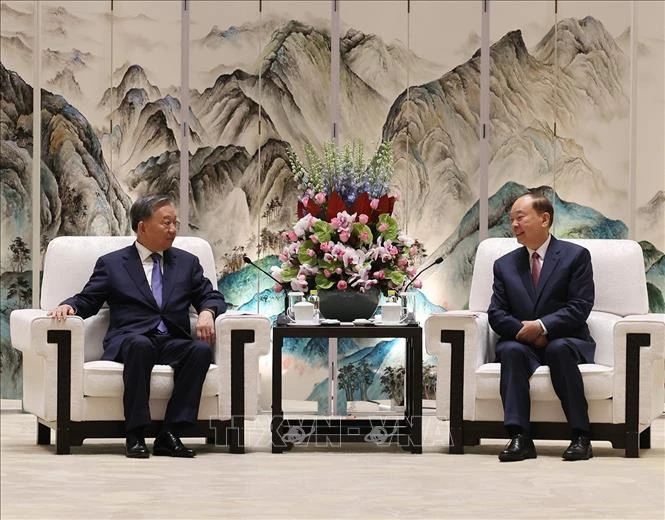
645, 439
456, 441
632, 445
43, 434
236, 435
62, 445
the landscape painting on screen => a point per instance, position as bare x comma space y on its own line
112, 132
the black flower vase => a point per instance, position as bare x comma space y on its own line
348, 305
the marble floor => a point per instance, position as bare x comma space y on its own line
351, 481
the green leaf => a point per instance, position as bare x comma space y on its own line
322, 282
359, 228
302, 253
323, 231
396, 277
391, 232
289, 273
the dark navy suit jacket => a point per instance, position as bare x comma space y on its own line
119, 279
563, 299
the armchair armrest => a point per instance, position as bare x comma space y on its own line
639, 353
29, 329
240, 328
477, 350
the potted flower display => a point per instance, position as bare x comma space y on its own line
346, 244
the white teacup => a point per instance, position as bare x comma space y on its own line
392, 312
302, 312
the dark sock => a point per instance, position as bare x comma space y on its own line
175, 428
514, 430
577, 433
139, 432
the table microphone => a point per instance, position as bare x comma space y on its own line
437, 261
248, 260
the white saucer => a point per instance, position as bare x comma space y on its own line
304, 323
378, 321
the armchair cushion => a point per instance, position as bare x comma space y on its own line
104, 379
598, 382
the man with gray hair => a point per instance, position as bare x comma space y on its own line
149, 287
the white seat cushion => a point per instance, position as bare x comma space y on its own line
598, 382
104, 379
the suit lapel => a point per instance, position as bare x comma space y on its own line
170, 261
135, 270
525, 273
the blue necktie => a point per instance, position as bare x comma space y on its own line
156, 280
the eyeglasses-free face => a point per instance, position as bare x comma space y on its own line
158, 232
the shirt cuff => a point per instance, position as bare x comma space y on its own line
210, 311
543, 326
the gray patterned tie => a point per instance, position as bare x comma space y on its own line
156, 280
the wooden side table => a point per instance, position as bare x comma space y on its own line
407, 431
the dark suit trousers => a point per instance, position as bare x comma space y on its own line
190, 360
520, 361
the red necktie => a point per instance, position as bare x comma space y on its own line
535, 268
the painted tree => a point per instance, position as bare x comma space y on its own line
392, 383
20, 290
346, 379
365, 377
429, 382
20, 254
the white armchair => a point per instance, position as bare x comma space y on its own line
624, 387
70, 390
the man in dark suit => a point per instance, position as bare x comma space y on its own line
539, 309
149, 287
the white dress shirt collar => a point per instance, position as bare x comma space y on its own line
541, 250
144, 252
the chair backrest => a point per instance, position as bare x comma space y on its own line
69, 262
618, 274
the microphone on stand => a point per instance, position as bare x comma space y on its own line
248, 260
437, 261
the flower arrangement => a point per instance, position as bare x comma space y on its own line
346, 237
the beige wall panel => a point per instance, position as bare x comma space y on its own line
650, 126
224, 59
144, 104
522, 107
17, 44
595, 61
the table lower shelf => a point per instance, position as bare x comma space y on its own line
329, 432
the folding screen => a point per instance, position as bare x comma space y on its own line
202, 100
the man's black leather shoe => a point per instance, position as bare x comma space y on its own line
520, 447
579, 449
135, 447
171, 446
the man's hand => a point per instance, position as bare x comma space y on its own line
61, 312
530, 332
541, 341
205, 326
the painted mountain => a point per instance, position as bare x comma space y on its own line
441, 182
450, 283
443, 133
241, 191
79, 195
